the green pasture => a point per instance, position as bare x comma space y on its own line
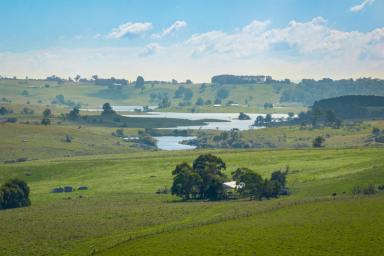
121, 212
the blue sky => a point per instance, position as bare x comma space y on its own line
175, 39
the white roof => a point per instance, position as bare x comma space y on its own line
232, 184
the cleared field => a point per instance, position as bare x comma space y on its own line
121, 207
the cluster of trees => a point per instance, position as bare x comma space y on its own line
353, 106
253, 185
183, 93
318, 116
27, 111
145, 140
54, 78
157, 96
205, 178
221, 94
263, 121
60, 99
109, 81
164, 103
268, 105
14, 194
74, 114
308, 90
47, 114
5, 111
226, 139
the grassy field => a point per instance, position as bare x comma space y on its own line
120, 213
337, 227
348, 135
250, 98
41, 142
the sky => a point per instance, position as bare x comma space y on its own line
192, 39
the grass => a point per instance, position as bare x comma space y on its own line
336, 227
41, 142
250, 97
350, 134
121, 212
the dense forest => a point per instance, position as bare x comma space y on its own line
352, 106
308, 90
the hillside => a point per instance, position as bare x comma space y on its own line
353, 106
121, 206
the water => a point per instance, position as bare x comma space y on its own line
231, 119
130, 108
173, 142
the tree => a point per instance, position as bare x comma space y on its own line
186, 181
77, 78
188, 81
165, 102
243, 116
280, 177
318, 142
222, 93
47, 113
376, 131
268, 105
74, 114
139, 82
45, 121
259, 121
199, 102
253, 182
210, 167
291, 115
268, 119
13, 194
270, 189
107, 109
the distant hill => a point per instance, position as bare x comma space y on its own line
353, 106
233, 79
308, 90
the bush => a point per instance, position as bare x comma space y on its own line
318, 142
14, 194
368, 190
243, 116
46, 121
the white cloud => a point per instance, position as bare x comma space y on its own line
130, 29
312, 39
177, 25
360, 7
150, 49
299, 49
256, 26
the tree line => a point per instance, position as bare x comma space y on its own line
205, 180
